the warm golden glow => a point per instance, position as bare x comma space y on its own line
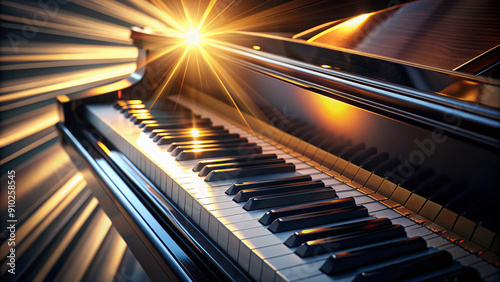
193, 37
326, 66
63, 98
344, 28
106, 53
195, 132
104, 148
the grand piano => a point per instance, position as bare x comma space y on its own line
357, 145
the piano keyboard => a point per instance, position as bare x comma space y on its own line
279, 218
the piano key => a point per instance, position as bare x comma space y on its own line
336, 146
351, 151
125, 108
155, 132
463, 274
263, 202
311, 219
244, 195
234, 173
209, 168
212, 153
342, 242
299, 237
174, 145
273, 214
362, 155
244, 158
178, 124
372, 161
408, 268
388, 165
189, 132
413, 180
345, 261
180, 149
236, 187
164, 118
118, 104
194, 137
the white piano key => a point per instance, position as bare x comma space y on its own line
418, 231
486, 270
373, 206
390, 214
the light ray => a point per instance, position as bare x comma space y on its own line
226, 91
167, 81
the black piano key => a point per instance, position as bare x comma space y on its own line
306, 133
168, 125
209, 168
145, 123
311, 219
174, 145
464, 274
461, 201
119, 104
131, 113
300, 237
136, 119
320, 140
264, 202
338, 146
386, 166
300, 132
155, 132
273, 214
371, 162
160, 136
150, 128
214, 153
244, 195
209, 136
431, 185
173, 119
236, 187
448, 191
231, 173
409, 268
244, 158
360, 156
294, 124
177, 125
179, 149
125, 109
346, 261
134, 115
342, 242
491, 220
483, 206
413, 180
350, 151
199, 132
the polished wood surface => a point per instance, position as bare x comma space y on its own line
443, 34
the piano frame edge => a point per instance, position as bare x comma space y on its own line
171, 253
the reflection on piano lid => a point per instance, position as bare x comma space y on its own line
288, 160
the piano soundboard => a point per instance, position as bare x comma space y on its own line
276, 213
